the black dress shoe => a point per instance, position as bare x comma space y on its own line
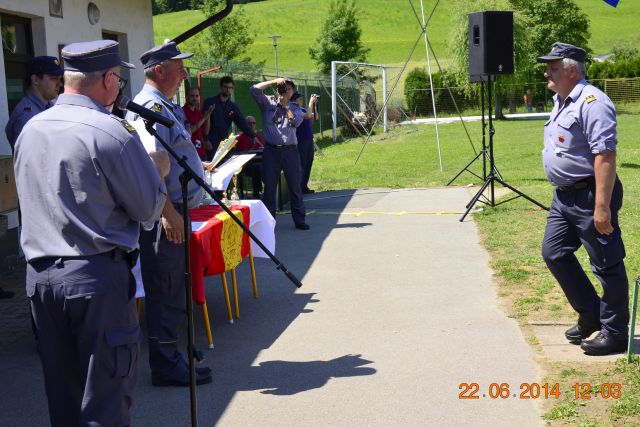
183, 381
580, 331
302, 226
603, 344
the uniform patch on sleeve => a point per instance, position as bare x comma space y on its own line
128, 126
589, 99
157, 107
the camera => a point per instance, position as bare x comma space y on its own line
315, 95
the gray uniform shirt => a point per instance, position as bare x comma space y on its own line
179, 139
278, 128
84, 181
28, 107
583, 126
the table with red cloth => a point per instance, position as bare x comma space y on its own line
217, 244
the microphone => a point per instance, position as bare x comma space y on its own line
124, 103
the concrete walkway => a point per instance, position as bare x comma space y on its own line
398, 309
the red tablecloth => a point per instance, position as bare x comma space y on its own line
217, 246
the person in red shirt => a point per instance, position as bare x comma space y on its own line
197, 122
253, 168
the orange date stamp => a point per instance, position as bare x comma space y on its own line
538, 391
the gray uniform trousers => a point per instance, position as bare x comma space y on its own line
88, 337
162, 266
570, 225
286, 158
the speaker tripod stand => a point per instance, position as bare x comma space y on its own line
494, 175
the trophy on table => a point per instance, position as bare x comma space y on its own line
235, 197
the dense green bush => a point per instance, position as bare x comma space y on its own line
417, 92
614, 69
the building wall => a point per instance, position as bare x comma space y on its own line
131, 20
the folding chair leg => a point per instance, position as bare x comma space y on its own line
207, 324
632, 325
253, 273
226, 296
234, 283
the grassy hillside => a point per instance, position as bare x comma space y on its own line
389, 28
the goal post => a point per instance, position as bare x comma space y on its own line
339, 103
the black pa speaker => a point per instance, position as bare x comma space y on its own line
490, 43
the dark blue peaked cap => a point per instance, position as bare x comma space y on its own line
92, 56
44, 65
564, 50
157, 54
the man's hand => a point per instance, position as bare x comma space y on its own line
257, 142
207, 113
173, 224
602, 220
160, 160
208, 166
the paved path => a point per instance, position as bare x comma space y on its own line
397, 310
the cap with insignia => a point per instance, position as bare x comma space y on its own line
157, 54
564, 50
44, 65
92, 56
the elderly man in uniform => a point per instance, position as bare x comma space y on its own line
579, 160
85, 183
280, 119
162, 248
44, 80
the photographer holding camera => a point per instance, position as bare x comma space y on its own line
304, 133
280, 118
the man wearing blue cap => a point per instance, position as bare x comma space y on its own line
579, 159
85, 183
162, 258
43, 81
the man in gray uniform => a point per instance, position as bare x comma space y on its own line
162, 248
44, 80
579, 159
280, 119
85, 183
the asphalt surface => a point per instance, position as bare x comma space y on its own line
398, 311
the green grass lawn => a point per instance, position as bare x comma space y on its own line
389, 28
511, 232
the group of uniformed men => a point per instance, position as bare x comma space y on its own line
91, 195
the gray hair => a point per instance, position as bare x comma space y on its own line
150, 72
580, 67
80, 80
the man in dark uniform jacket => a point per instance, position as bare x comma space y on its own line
85, 183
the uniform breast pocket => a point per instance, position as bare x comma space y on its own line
566, 131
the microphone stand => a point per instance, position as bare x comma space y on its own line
187, 175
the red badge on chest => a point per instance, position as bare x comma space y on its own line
561, 138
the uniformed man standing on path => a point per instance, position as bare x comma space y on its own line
579, 160
162, 248
44, 80
85, 183
280, 118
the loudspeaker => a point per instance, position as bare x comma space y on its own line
490, 43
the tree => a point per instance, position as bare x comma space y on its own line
227, 40
537, 25
339, 38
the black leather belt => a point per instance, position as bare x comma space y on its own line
116, 254
578, 185
280, 146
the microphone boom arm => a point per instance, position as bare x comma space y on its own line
204, 24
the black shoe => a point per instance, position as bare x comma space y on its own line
581, 331
183, 381
302, 226
308, 191
603, 344
5, 294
